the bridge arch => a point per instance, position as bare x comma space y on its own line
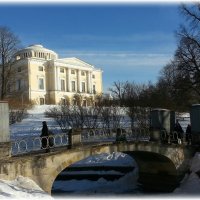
153, 161
156, 171
131, 162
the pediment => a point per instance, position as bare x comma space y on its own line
75, 62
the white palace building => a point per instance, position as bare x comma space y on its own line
40, 76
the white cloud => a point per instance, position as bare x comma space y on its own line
148, 36
127, 58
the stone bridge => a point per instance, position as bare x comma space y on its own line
152, 158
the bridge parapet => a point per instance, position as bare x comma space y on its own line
74, 138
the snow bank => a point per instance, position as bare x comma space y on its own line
195, 163
21, 187
127, 183
191, 183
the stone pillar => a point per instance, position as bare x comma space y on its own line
160, 120
195, 123
5, 145
74, 137
172, 120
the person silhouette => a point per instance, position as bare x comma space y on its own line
188, 134
44, 136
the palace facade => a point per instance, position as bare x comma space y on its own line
40, 76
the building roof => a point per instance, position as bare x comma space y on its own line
38, 48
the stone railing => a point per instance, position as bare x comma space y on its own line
172, 137
105, 135
73, 138
23, 145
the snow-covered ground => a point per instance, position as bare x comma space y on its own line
190, 185
22, 187
32, 124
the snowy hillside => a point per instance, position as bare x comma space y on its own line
32, 124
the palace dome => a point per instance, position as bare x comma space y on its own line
36, 51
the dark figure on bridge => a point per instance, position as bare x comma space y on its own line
45, 136
179, 130
188, 134
120, 136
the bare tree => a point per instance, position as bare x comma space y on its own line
8, 46
119, 91
188, 52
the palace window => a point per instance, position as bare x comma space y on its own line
19, 84
82, 73
94, 89
83, 86
84, 103
19, 69
63, 101
41, 83
73, 86
75, 103
62, 70
93, 76
62, 83
42, 101
72, 71
40, 68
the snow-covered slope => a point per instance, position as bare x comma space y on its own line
21, 187
32, 124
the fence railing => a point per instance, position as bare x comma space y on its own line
23, 145
105, 135
32, 143
173, 137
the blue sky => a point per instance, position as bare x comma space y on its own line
127, 41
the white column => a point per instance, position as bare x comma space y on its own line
88, 81
78, 80
55, 77
58, 79
68, 80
